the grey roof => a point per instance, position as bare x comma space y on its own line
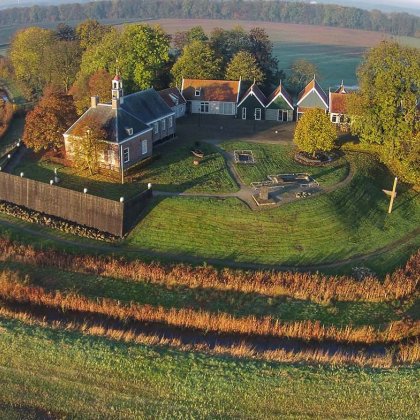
115, 122
147, 105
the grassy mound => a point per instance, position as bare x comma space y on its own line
350, 221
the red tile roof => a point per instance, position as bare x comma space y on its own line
211, 90
172, 96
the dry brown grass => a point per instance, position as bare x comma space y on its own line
406, 354
14, 290
402, 283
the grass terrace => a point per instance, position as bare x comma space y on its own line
273, 159
350, 221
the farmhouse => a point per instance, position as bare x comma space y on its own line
211, 96
132, 126
312, 96
175, 101
252, 104
338, 105
279, 105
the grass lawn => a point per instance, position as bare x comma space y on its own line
349, 221
68, 374
273, 159
235, 303
173, 171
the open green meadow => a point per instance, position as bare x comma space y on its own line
69, 374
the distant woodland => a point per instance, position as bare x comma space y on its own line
264, 10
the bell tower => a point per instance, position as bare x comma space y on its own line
117, 88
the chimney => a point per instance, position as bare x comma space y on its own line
115, 103
94, 101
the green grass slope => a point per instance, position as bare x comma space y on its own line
350, 221
68, 374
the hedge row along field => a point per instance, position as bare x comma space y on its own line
402, 283
13, 290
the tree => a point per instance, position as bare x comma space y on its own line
262, 49
51, 117
183, 38
28, 54
197, 61
315, 132
384, 111
302, 72
244, 65
90, 32
64, 32
99, 84
63, 62
87, 145
140, 53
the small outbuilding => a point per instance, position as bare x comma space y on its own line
252, 104
312, 96
279, 105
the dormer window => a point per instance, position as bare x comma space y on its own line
197, 91
174, 99
129, 131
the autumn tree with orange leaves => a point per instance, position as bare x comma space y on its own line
47, 122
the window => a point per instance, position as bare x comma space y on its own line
155, 128
244, 113
143, 147
170, 122
257, 113
197, 91
129, 131
163, 122
204, 108
126, 155
334, 118
342, 118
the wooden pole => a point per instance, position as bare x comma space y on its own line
393, 194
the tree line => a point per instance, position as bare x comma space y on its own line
263, 10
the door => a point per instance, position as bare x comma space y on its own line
257, 113
244, 113
284, 114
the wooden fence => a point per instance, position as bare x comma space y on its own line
84, 209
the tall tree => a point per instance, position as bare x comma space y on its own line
302, 72
315, 132
51, 117
140, 52
99, 84
91, 32
28, 53
262, 48
197, 61
244, 65
87, 145
384, 111
65, 32
63, 61
183, 38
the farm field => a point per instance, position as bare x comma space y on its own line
74, 374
